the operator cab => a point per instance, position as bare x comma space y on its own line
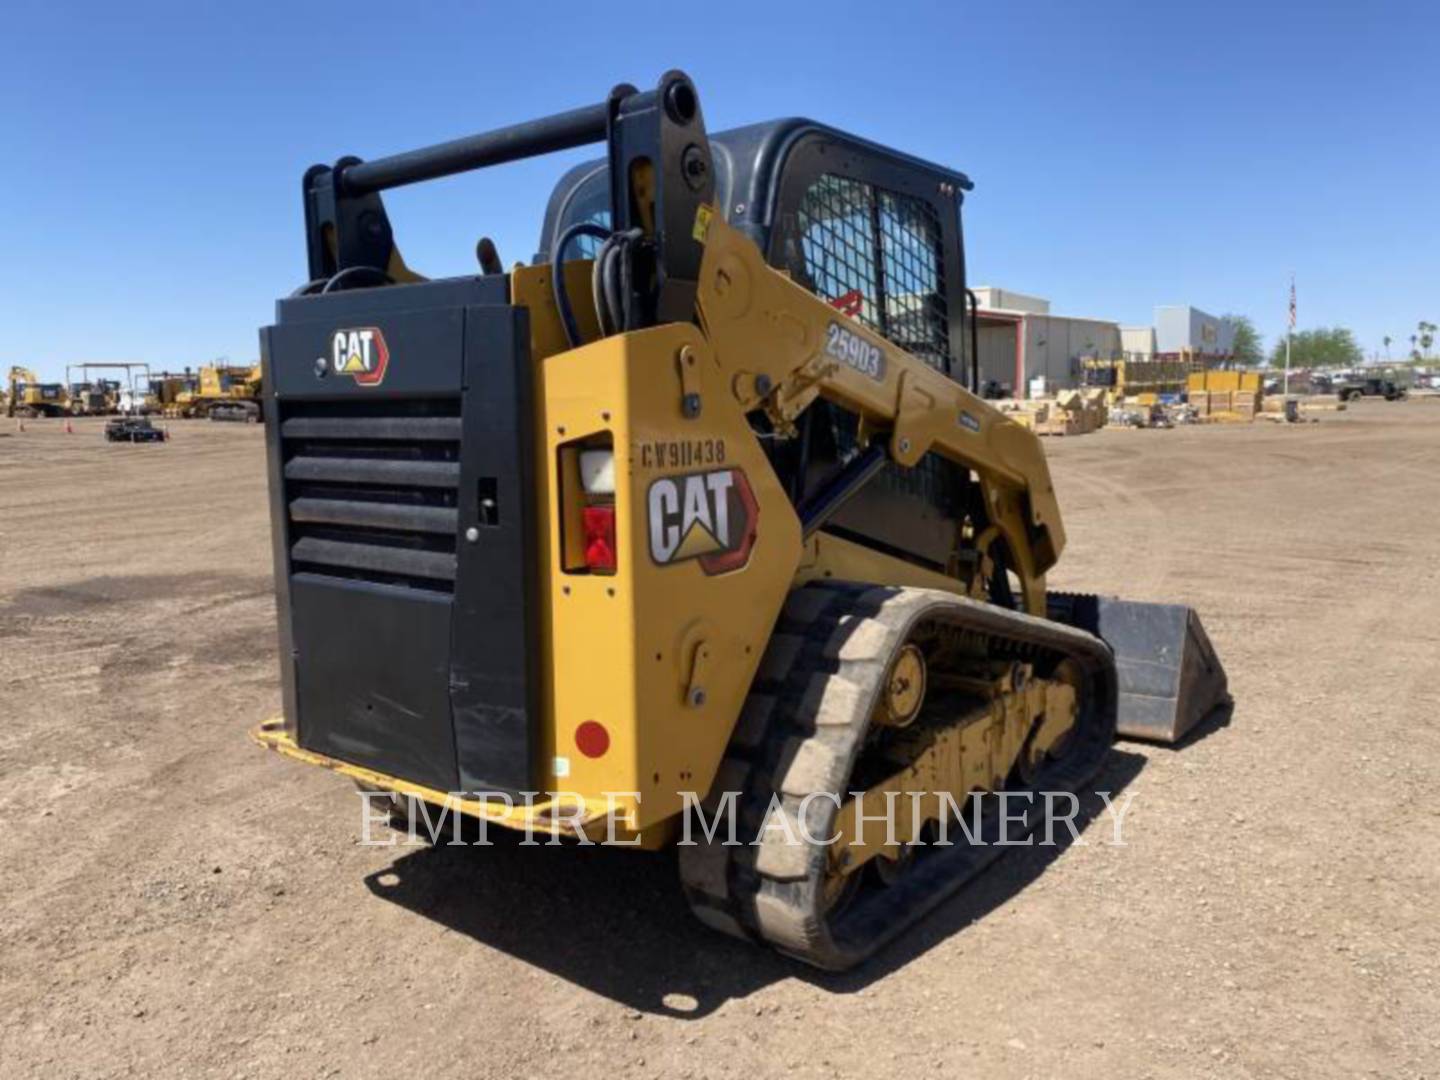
874, 232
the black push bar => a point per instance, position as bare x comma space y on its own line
660, 168
563, 131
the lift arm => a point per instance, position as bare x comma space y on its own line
783, 347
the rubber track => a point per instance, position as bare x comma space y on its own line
802, 730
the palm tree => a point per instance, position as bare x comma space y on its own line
1386, 339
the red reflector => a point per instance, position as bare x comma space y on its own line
591, 738
600, 538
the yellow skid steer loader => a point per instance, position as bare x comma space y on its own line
692, 530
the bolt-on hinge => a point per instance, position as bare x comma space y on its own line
689, 365
695, 691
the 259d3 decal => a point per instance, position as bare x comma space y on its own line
854, 351
709, 516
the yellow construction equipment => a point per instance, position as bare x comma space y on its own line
29, 397
98, 398
224, 392
166, 389
693, 531
91, 396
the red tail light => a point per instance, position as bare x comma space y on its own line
600, 538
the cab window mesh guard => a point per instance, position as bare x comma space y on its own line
876, 256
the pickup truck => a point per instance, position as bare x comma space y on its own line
1358, 388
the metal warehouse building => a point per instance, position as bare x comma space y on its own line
1021, 341
1180, 328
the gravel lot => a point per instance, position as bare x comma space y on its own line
179, 902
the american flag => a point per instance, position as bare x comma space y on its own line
1292, 301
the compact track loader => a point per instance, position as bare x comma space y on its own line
696, 519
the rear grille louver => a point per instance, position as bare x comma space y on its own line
372, 490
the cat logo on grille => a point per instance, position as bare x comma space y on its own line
708, 516
360, 353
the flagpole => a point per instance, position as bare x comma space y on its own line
1289, 332
1288, 362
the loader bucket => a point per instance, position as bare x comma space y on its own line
1169, 676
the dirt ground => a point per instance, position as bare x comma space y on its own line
179, 902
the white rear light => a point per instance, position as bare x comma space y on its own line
597, 472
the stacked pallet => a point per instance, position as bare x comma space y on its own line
1073, 412
1225, 395
1070, 412
1097, 405
1060, 421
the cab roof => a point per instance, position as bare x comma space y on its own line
750, 165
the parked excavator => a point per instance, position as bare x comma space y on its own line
29, 397
698, 515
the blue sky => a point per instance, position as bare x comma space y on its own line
1125, 155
